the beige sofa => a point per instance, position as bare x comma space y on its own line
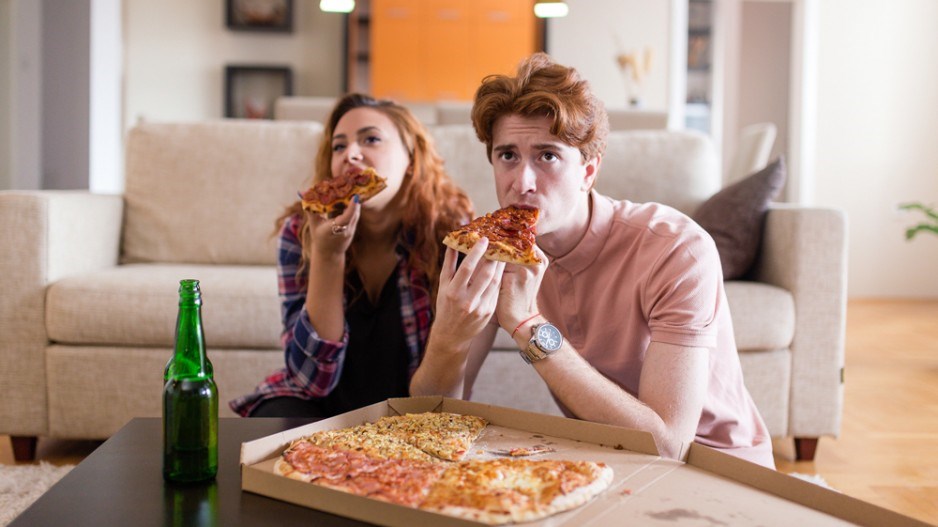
89, 281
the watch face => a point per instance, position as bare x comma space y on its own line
548, 338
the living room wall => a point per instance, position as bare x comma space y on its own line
176, 51
877, 112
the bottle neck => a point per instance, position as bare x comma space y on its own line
189, 359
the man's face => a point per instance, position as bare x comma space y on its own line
535, 168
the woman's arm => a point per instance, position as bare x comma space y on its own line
313, 360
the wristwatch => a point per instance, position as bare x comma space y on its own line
545, 339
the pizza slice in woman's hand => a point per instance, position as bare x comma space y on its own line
510, 231
330, 197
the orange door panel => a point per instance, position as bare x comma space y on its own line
430, 50
396, 62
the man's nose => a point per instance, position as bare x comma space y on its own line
526, 180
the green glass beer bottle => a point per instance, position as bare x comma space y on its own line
190, 397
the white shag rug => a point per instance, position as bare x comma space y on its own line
21, 485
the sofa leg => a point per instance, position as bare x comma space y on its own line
805, 447
24, 447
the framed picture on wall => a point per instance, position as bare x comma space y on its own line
251, 91
259, 15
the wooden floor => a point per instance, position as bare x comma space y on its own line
887, 453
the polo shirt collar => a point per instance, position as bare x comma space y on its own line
588, 249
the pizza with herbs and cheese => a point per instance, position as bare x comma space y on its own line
369, 440
330, 196
411, 460
441, 434
510, 231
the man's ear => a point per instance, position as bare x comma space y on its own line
592, 169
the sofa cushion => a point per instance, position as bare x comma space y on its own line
136, 305
763, 315
466, 162
735, 217
677, 168
209, 192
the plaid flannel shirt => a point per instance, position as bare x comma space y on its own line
313, 364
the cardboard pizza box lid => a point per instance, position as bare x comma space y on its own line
709, 488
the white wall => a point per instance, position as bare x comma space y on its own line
590, 37
876, 136
176, 52
105, 118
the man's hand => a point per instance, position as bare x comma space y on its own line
517, 296
466, 296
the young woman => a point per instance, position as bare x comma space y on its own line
357, 290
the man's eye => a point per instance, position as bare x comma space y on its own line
549, 156
506, 156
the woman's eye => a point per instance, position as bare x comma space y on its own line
338, 147
372, 139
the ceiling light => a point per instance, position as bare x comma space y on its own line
337, 6
551, 9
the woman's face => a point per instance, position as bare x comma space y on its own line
365, 137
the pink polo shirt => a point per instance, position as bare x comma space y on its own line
643, 273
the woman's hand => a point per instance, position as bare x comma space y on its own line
466, 297
331, 237
517, 297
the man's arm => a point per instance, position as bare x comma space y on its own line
672, 389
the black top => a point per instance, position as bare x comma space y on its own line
376, 357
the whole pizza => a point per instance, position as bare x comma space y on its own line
419, 461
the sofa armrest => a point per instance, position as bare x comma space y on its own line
46, 235
805, 252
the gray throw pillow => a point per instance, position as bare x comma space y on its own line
735, 217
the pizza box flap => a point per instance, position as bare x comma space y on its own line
824, 500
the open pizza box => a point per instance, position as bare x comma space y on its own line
710, 488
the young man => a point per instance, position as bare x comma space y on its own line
626, 320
